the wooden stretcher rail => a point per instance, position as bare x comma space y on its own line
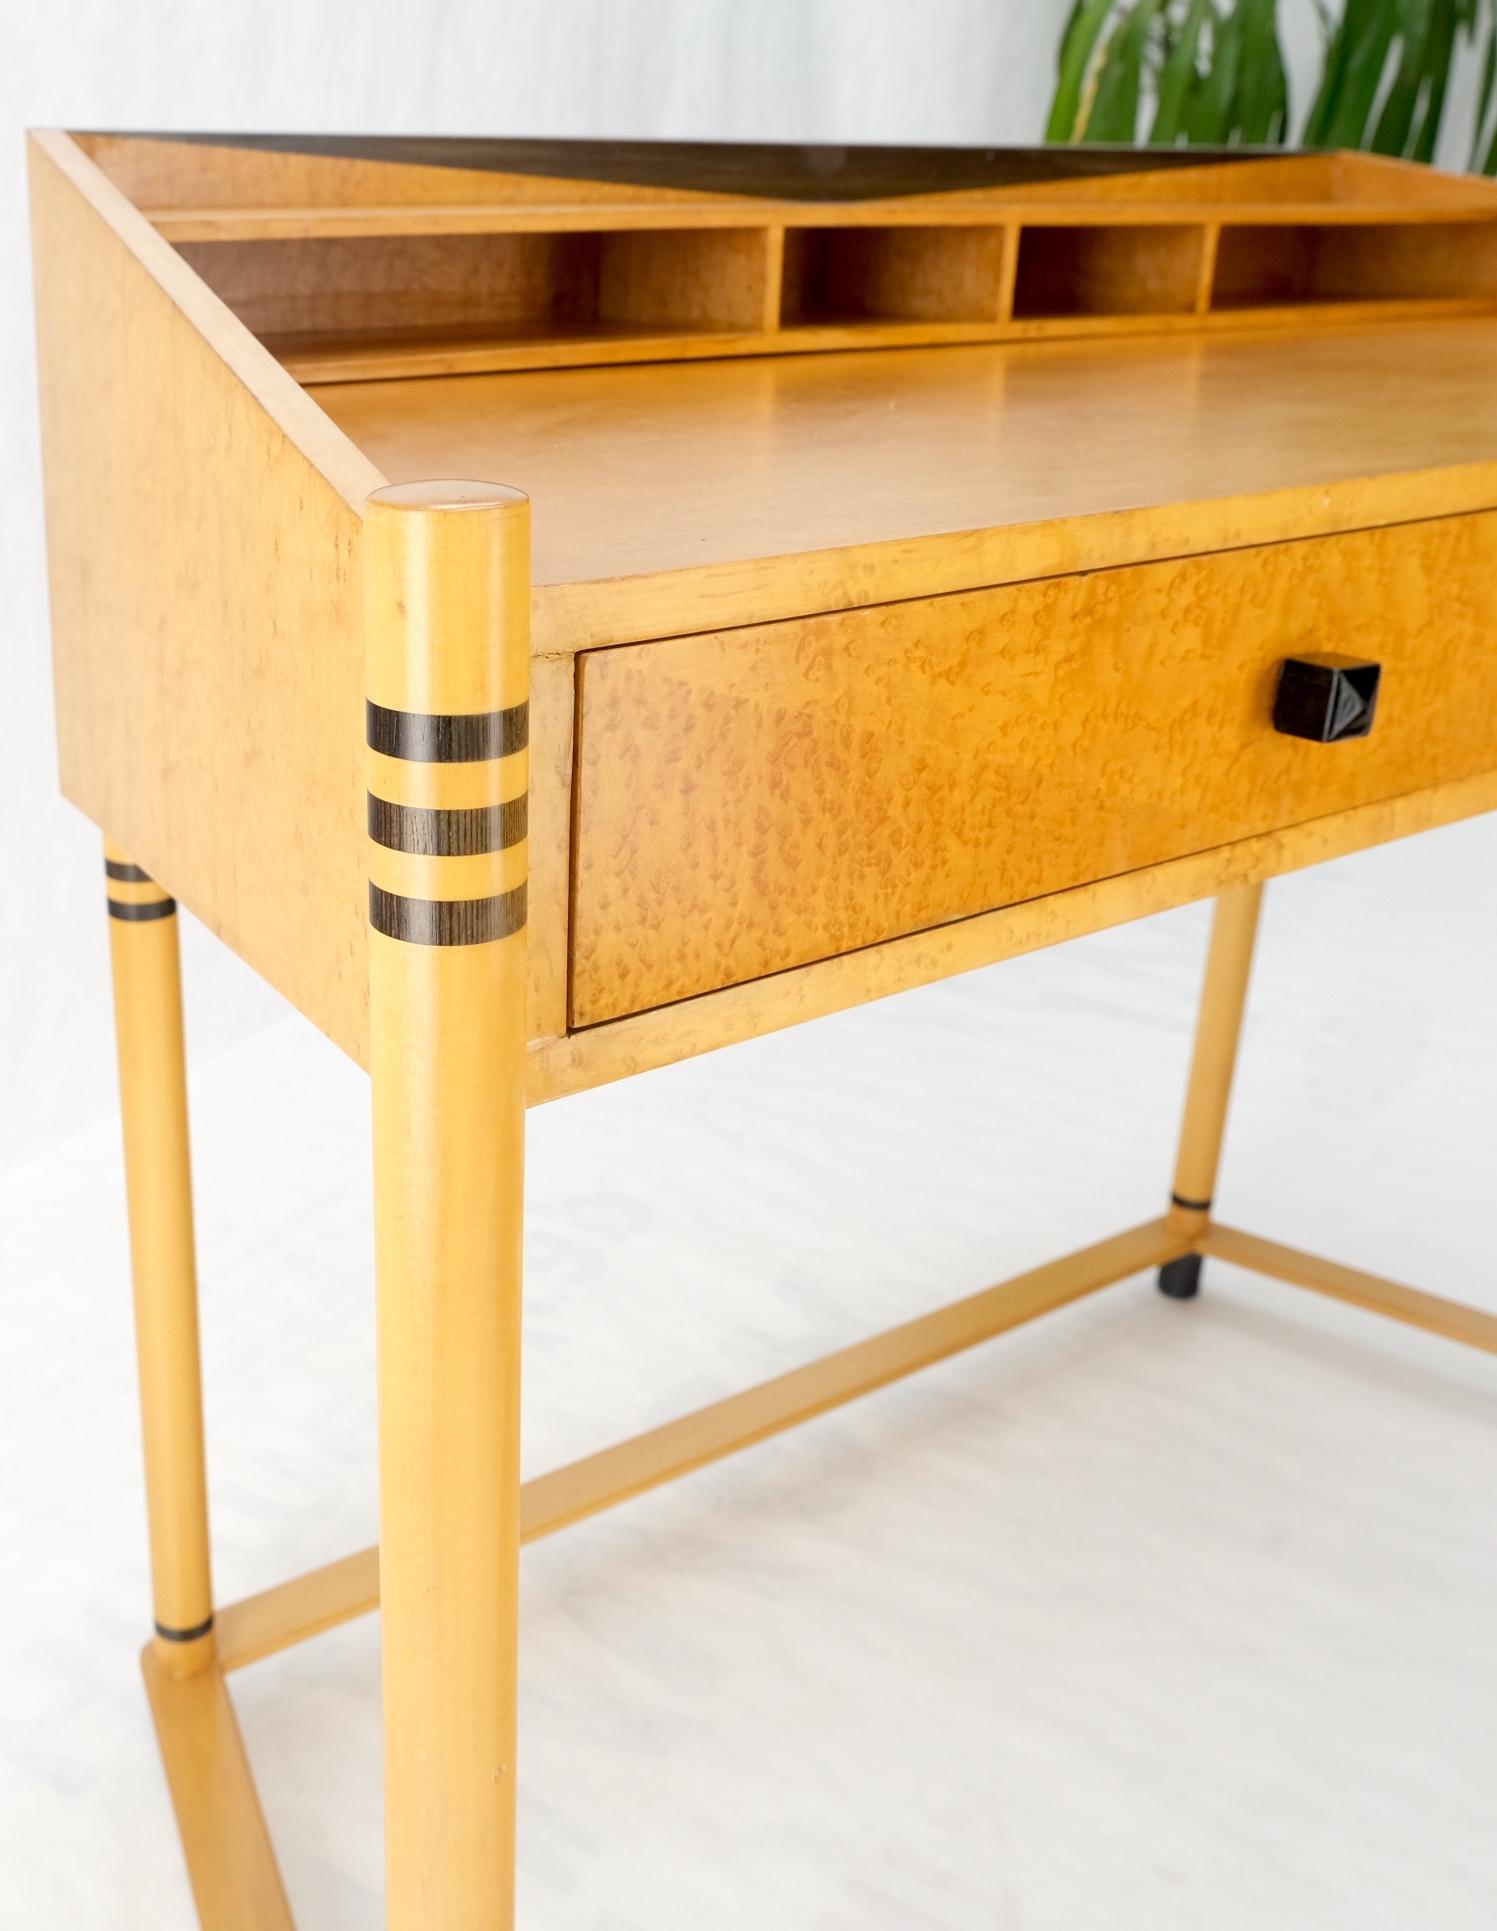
236, 1883
273, 1620
1450, 1319
307, 1605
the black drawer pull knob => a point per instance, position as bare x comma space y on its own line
1326, 699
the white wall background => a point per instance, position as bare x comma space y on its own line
802, 70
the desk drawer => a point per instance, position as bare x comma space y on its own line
758, 798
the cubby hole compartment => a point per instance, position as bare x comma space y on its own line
852, 275
505, 287
1143, 269
1302, 263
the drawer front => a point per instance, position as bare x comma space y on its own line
760, 798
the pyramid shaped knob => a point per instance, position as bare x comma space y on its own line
1325, 698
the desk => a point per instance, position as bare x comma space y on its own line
934, 556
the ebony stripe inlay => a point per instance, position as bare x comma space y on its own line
440, 832
158, 908
446, 921
116, 868
1191, 1206
448, 737
183, 1635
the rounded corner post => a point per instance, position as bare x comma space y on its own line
146, 969
1229, 962
447, 609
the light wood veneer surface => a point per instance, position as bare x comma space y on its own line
786, 792
691, 496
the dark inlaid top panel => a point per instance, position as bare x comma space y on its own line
768, 169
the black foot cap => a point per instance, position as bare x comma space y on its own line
1181, 1279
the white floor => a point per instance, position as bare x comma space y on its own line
1148, 1617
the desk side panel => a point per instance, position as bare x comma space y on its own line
206, 620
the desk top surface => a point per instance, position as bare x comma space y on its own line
698, 495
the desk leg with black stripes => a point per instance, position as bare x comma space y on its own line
235, 1879
448, 672
158, 1171
447, 602
1229, 964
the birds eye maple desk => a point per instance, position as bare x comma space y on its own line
936, 555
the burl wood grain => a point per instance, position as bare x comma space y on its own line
666, 1034
204, 535
205, 606
753, 800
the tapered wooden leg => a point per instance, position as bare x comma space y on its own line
158, 1176
447, 608
1229, 961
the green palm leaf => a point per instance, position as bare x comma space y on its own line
1212, 114
1484, 94
1213, 71
1113, 115
1083, 31
1178, 75
1263, 83
1417, 21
